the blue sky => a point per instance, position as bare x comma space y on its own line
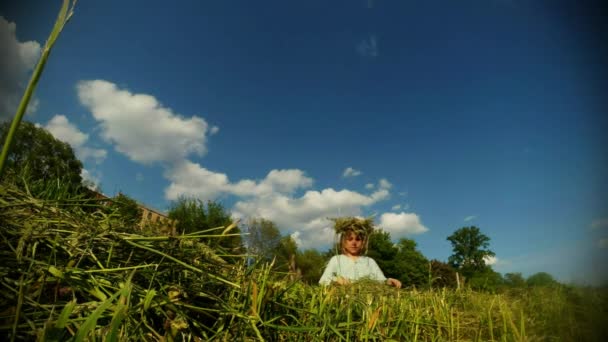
431, 115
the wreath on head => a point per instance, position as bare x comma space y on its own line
360, 226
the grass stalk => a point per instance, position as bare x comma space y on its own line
65, 13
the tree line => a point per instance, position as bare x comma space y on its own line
49, 169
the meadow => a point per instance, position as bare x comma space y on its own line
68, 272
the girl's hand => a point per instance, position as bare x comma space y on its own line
393, 282
342, 281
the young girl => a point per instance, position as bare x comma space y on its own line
352, 265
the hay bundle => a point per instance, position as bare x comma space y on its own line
65, 272
360, 226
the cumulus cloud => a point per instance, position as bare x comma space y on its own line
141, 127
350, 172
274, 198
490, 260
384, 184
214, 130
17, 59
146, 131
296, 238
369, 186
91, 179
61, 128
401, 224
470, 218
396, 207
309, 213
191, 179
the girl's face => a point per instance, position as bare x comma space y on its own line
352, 245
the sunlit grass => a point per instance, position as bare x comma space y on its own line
67, 274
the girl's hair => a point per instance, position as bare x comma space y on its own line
346, 233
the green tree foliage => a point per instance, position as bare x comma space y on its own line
127, 210
401, 261
411, 264
486, 279
45, 158
193, 215
541, 279
514, 280
382, 250
470, 247
311, 264
285, 253
442, 274
263, 239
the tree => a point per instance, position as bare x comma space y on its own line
193, 215
514, 280
486, 279
285, 250
401, 261
45, 158
410, 264
442, 274
383, 251
470, 247
541, 279
127, 209
311, 264
263, 239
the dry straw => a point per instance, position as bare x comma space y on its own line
359, 226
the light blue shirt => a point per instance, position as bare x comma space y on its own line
343, 266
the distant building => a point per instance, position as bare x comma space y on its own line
149, 216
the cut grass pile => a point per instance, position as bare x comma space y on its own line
67, 274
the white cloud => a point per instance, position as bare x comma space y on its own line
470, 218
401, 224
396, 207
384, 184
141, 127
91, 179
490, 260
61, 128
214, 130
369, 186
296, 238
403, 193
602, 243
191, 179
17, 59
308, 214
599, 223
147, 132
350, 172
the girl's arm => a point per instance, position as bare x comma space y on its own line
331, 270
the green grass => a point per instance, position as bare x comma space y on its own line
72, 274
69, 274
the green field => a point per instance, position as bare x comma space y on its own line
69, 273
